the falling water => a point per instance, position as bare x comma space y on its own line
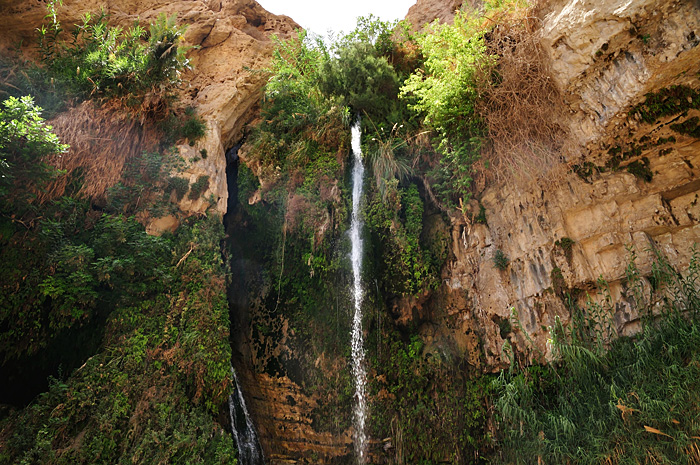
249, 450
358, 353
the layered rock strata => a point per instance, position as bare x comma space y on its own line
605, 57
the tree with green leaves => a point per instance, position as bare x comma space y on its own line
25, 142
447, 87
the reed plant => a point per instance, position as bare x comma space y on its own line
611, 399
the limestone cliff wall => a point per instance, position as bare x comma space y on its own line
605, 56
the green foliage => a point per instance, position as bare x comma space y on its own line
598, 402
151, 392
180, 125
361, 80
373, 31
481, 216
303, 132
389, 161
405, 266
500, 260
104, 61
247, 184
690, 127
199, 187
73, 263
144, 318
179, 186
446, 89
292, 98
25, 142
146, 185
20, 77
640, 169
430, 411
666, 102
566, 244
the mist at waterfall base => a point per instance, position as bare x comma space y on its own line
358, 353
249, 449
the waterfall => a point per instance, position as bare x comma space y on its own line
249, 450
358, 352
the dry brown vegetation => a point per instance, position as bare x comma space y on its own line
521, 105
102, 140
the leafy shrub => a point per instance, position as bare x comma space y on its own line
361, 80
151, 392
25, 142
566, 244
446, 420
690, 127
481, 216
405, 264
104, 61
179, 185
199, 187
640, 169
181, 125
597, 402
146, 185
447, 90
500, 260
666, 102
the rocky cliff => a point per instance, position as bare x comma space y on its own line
427, 11
633, 182
605, 58
232, 39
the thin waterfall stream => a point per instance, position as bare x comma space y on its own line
358, 352
249, 450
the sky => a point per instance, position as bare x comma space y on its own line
320, 16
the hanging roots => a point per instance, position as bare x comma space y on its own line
521, 105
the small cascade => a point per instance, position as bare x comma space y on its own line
358, 352
249, 450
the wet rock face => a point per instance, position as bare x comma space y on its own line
284, 418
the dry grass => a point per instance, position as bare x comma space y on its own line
102, 140
521, 105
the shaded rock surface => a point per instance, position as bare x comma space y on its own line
427, 11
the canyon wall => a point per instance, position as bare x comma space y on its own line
232, 40
630, 184
558, 236
605, 57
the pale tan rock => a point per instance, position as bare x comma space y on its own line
605, 56
158, 226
